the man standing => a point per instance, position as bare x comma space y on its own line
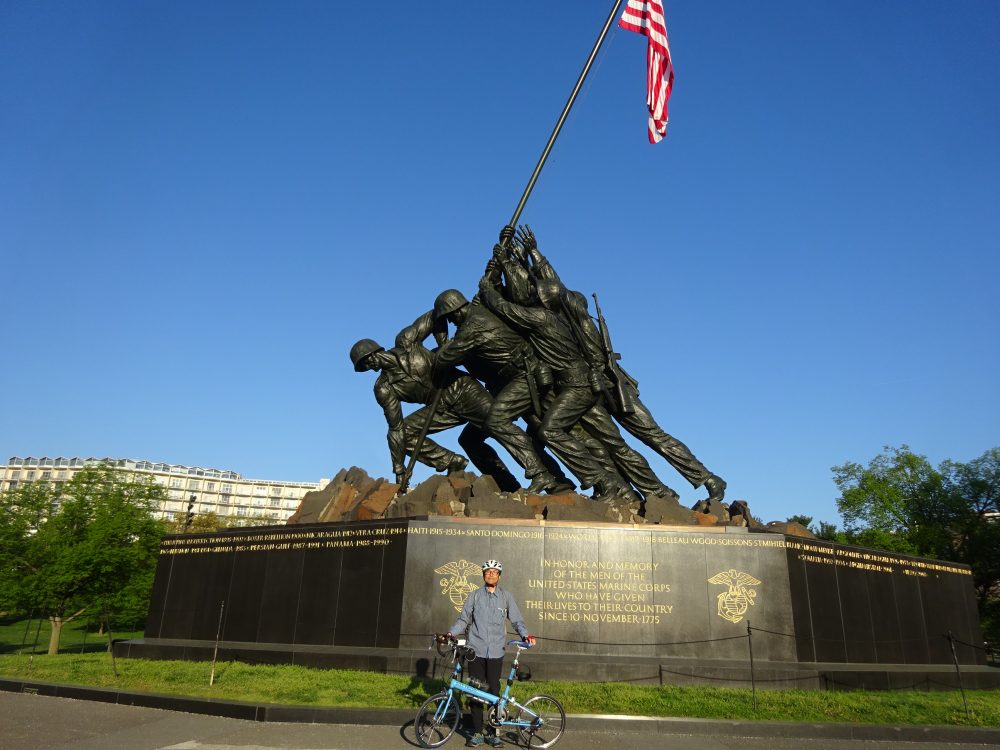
484, 618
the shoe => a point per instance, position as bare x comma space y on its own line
540, 483
665, 493
560, 486
475, 740
493, 741
458, 463
716, 487
609, 491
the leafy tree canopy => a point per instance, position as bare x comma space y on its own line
900, 502
211, 521
89, 545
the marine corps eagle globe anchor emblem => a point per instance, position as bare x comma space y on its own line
455, 583
733, 602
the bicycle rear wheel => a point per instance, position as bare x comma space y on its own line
436, 720
548, 720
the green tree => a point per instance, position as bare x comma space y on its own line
89, 546
900, 502
210, 521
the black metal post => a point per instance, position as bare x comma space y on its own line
958, 671
27, 629
753, 681
218, 635
111, 643
34, 646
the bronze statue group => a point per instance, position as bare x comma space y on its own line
530, 351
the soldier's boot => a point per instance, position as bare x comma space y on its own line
458, 463
561, 486
546, 482
663, 492
716, 487
608, 489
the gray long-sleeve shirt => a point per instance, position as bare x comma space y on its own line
483, 619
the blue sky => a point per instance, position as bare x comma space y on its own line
203, 205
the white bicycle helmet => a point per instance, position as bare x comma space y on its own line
496, 564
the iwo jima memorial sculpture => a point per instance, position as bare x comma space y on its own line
626, 584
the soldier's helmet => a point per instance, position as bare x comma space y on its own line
448, 302
361, 350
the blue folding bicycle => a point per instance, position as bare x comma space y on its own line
538, 722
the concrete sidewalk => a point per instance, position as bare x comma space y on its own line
580, 722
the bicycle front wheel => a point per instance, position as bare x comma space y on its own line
436, 720
547, 719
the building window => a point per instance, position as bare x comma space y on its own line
11, 485
227, 488
223, 499
209, 486
175, 482
276, 491
192, 484
275, 502
46, 475
30, 475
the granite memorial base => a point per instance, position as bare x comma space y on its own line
647, 604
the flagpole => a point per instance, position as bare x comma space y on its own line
517, 215
565, 113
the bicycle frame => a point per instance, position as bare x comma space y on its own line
500, 702
539, 720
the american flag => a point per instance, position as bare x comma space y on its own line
646, 17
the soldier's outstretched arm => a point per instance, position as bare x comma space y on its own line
518, 317
418, 331
541, 269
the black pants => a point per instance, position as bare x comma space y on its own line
487, 671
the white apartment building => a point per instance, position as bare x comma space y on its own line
224, 492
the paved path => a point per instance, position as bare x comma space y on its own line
36, 722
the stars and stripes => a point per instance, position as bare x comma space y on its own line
646, 17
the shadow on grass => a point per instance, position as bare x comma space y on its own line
421, 685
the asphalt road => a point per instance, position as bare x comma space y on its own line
34, 722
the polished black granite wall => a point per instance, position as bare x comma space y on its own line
323, 585
586, 589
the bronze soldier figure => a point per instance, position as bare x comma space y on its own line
504, 361
405, 374
633, 415
573, 398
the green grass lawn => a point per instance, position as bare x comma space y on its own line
287, 684
78, 636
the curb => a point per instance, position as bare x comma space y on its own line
582, 722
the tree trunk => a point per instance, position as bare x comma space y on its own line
57, 623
